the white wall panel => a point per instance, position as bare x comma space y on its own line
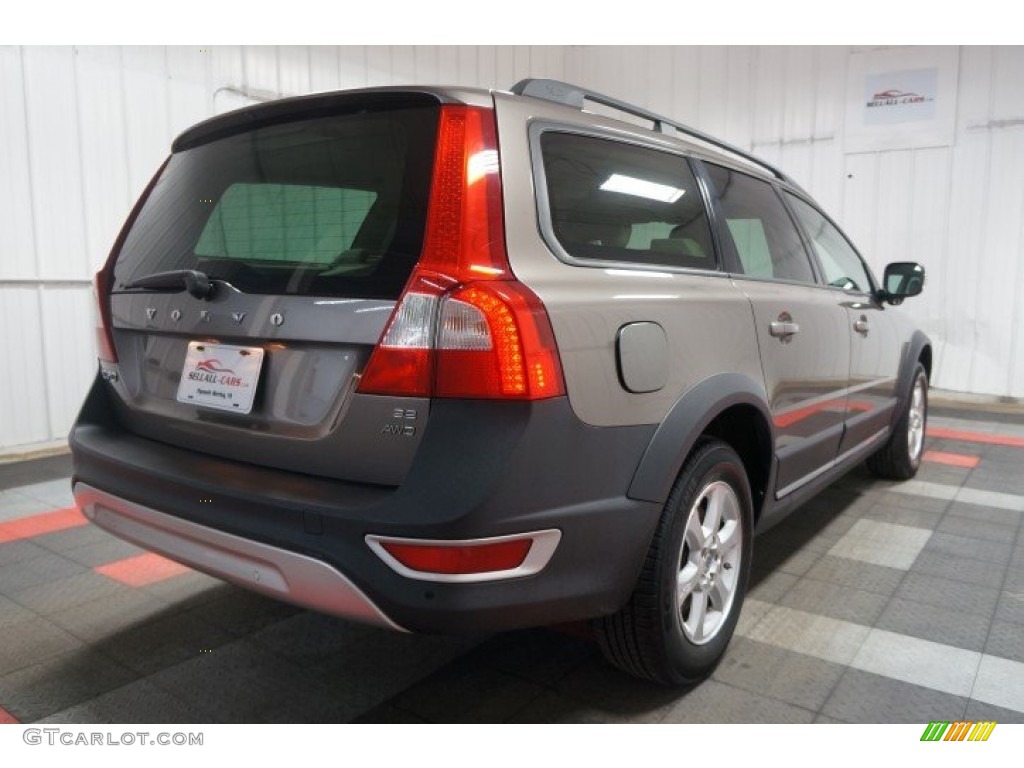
105, 181
55, 160
293, 68
467, 64
892, 209
999, 258
68, 351
403, 64
147, 119
486, 65
799, 94
860, 201
227, 68
1007, 72
259, 67
929, 243
189, 95
769, 94
739, 94
684, 101
378, 65
24, 411
965, 241
18, 257
713, 90
324, 72
448, 65
82, 131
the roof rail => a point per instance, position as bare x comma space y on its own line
574, 96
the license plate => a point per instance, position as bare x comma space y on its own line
220, 376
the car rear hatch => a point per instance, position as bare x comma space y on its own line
307, 225
299, 282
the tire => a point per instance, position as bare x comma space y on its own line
900, 457
658, 634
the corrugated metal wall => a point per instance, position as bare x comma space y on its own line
82, 129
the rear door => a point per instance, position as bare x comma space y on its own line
801, 328
309, 226
874, 340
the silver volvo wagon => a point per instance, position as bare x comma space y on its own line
459, 360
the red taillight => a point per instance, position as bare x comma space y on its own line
464, 326
105, 349
460, 559
494, 340
403, 362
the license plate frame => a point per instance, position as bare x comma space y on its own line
220, 376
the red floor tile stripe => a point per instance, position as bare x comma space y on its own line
36, 525
952, 459
975, 437
141, 570
6, 718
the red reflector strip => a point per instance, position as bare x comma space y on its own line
141, 570
6, 718
975, 437
952, 459
790, 418
447, 559
36, 525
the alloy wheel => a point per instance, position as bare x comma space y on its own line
709, 564
915, 422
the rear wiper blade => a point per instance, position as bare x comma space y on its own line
195, 282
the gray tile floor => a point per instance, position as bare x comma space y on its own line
876, 602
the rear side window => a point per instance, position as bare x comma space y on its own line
841, 264
331, 206
765, 237
618, 202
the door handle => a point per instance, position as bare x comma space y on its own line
862, 326
783, 329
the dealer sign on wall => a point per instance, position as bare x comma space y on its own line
901, 98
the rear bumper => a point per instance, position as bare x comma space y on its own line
483, 469
270, 570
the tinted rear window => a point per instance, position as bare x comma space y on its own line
618, 202
332, 206
766, 239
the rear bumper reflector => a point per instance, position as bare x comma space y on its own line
467, 560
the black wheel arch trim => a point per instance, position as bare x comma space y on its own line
918, 341
685, 422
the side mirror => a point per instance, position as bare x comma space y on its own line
902, 280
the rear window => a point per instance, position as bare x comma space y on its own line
332, 206
617, 202
285, 222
